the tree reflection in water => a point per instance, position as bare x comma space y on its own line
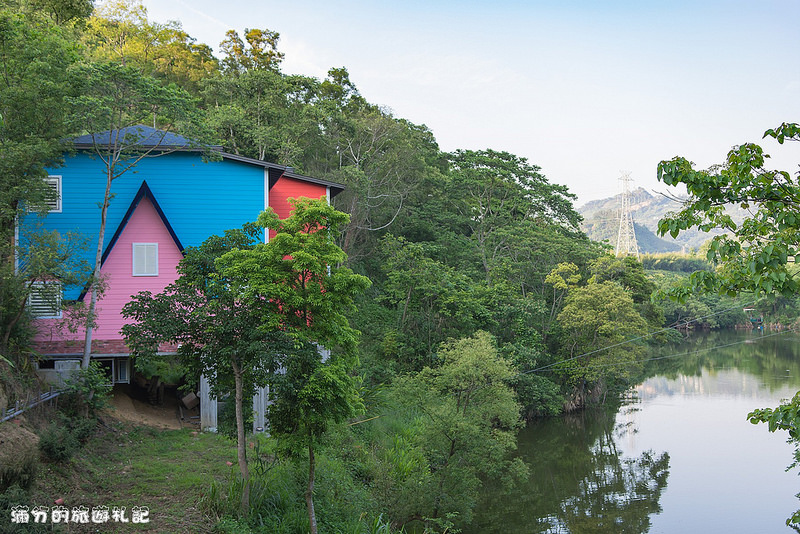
579, 482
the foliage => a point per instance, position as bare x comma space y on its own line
36, 59
599, 322
786, 417
433, 301
494, 190
120, 32
752, 256
11, 497
260, 113
117, 100
41, 256
260, 52
674, 262
59, 441
220, 334
298, 285
91, 387
629, 273
299, 277
466, 422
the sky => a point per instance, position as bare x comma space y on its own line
584, 89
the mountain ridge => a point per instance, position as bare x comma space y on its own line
601, 222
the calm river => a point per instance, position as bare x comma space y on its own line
678, 456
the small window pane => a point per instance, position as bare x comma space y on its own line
145, 259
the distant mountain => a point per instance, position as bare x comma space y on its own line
601, 222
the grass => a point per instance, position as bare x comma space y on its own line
127, 465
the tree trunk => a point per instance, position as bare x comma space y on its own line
241, 449
87, 343
312, 518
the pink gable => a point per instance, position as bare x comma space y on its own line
144, 226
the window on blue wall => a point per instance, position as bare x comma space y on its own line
52, 199
44, 300
145, 259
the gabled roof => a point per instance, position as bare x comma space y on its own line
144, 192
149, 138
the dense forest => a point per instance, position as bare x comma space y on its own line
488, 305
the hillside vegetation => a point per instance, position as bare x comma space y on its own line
456, 291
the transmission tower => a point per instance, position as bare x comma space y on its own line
626, 237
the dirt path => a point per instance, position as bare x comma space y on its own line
126, 408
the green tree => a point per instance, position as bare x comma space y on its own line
497, 191
120, 32
467, 422
36, 57
260, 52
298, 283
217, 331
261, 113
597, 320
628, 272
433, 301
41, 256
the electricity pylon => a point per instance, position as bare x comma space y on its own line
626, 237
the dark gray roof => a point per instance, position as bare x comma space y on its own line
148, 137
144, 136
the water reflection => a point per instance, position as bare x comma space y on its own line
679, 456
580, 481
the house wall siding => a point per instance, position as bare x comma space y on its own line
286, 188
144, 226
198, 199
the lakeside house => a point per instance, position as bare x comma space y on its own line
171, 199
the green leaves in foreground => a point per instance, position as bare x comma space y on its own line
758, 254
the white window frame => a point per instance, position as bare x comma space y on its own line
35, 301
55, 180
134, 256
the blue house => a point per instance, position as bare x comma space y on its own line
172, 198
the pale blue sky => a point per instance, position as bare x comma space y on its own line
583, 89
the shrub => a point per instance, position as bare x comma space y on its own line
64, 436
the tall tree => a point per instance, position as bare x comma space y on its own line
467, 417
261, 114
497, 191
114, 102
598, 320
218, 333
259, 53
35, 78
36, 59
299, 284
